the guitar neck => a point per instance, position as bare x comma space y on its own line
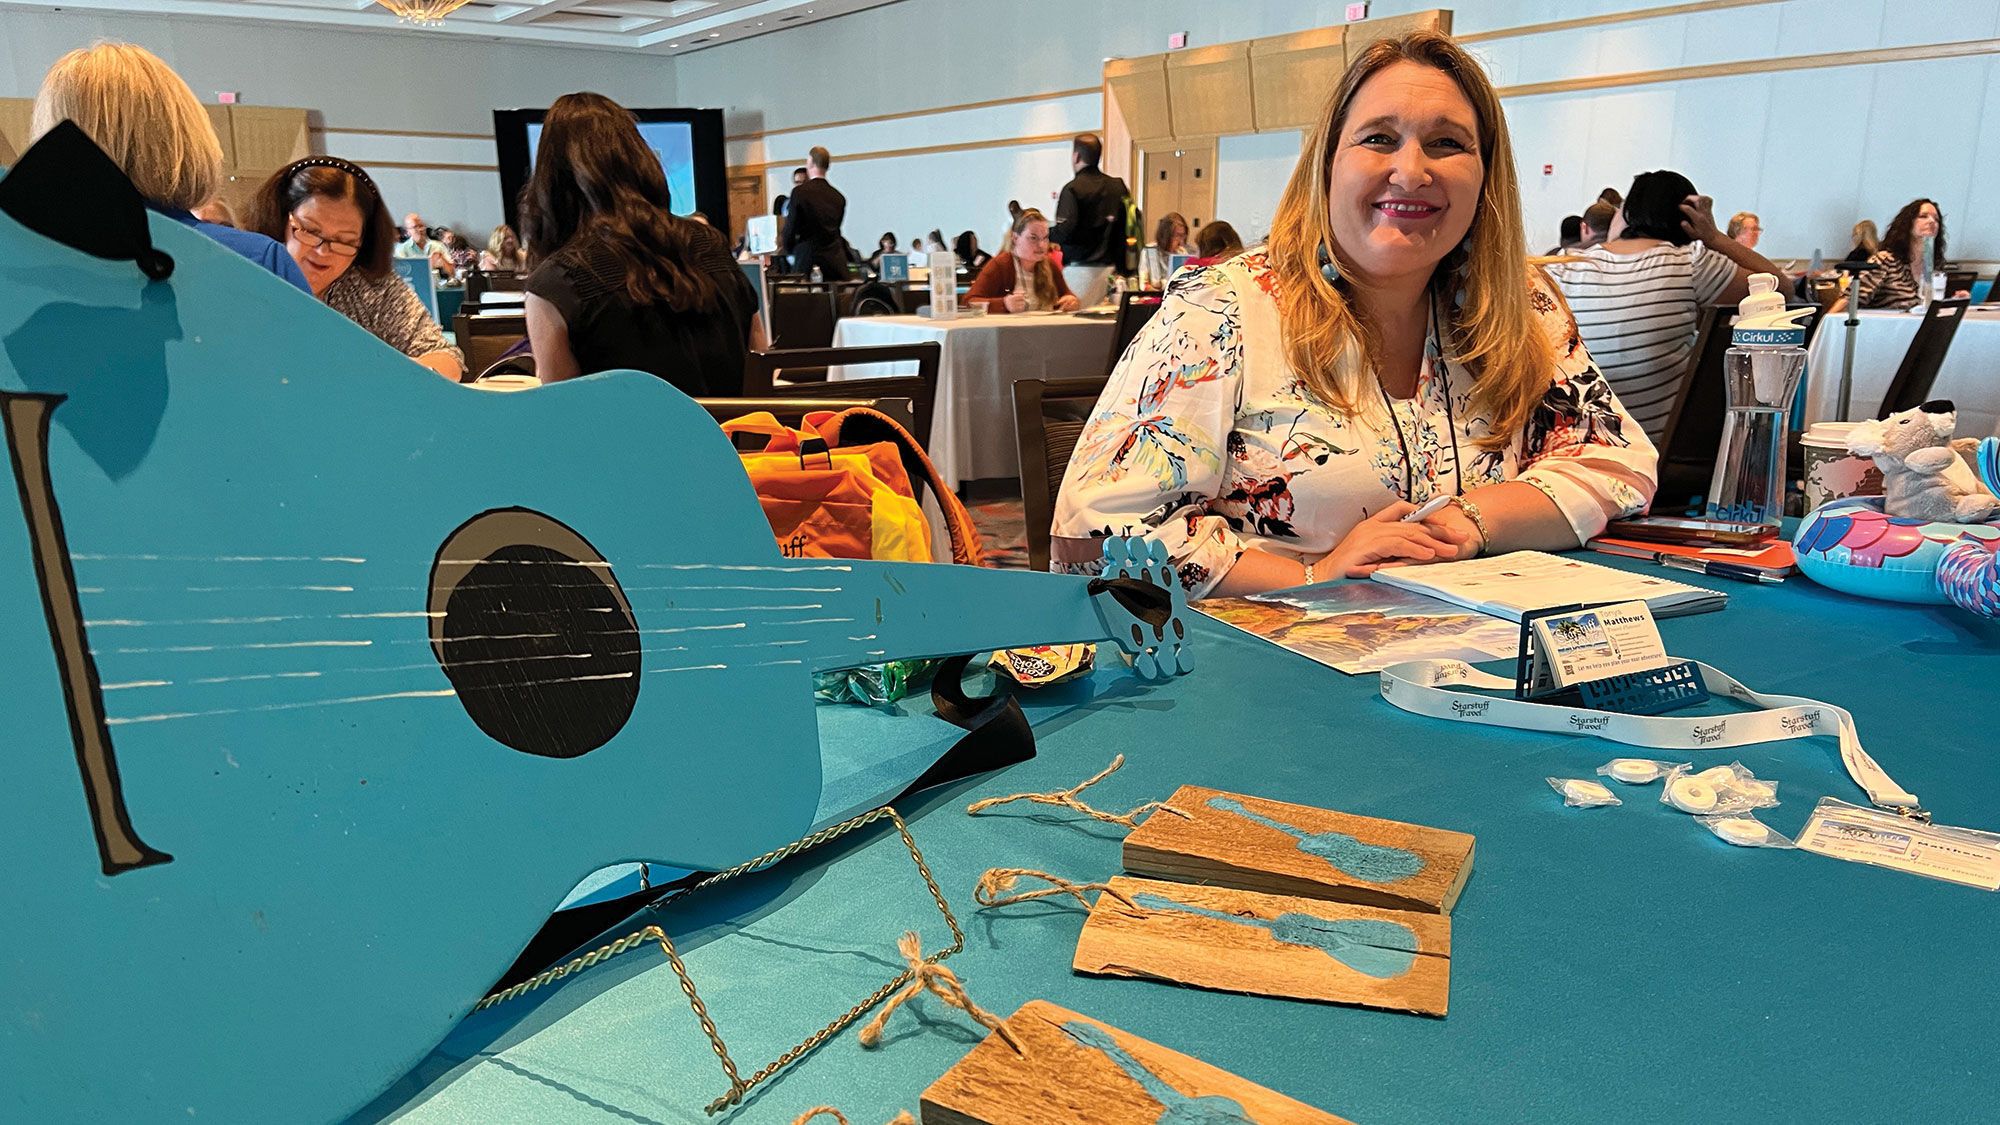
904, 611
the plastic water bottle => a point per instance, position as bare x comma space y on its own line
1760, 372
817, 276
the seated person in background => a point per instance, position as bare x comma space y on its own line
503, 251
1638, 297
1569, 236
619, 280
331, 218
1596, 223
1023, 278
420, 244
135, 108
1284, 410
463, 256
971, 259
1169, 238
916, 249
1866, 242
1894, 283
883, 245
1215, 242
217, 211
1745, 229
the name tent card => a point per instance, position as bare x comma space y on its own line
1255, 844
1269, 945
1073, 1070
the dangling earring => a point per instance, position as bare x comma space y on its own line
1328, 268
1459, 273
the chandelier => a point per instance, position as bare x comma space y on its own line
423, 12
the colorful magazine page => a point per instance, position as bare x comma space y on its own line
1361, 627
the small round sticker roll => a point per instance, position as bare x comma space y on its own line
1742, 831
1580, 790
1691, 795
1716, 775
1634, 771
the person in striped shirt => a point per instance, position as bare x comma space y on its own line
1638, 296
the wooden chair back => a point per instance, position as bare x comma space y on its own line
1049, 416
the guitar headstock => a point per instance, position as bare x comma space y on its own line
1140, 602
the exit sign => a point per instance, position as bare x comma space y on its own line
1357, 11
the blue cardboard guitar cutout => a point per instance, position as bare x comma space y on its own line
327, 677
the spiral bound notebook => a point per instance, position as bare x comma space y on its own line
1513, 584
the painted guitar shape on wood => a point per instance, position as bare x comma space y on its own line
361, 671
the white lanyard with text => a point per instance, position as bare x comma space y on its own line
1413, 686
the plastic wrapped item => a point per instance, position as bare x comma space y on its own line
1744, 831
1045, 665
1639, 771
1718, 790
873, 685
1582, 793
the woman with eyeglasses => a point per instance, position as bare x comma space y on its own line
329, 214
1022, 278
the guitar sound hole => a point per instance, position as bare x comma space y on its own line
535, 635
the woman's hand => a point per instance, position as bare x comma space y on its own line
1068, 303
1014, 302
1451, 524
1700, 221
1383, 538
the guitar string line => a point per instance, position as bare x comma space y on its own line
270, 619
417, 694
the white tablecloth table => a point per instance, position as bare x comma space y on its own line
972, 424
1969, 377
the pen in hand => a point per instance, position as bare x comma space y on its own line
1430, 507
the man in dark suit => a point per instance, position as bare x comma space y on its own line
812, 222
1090, 222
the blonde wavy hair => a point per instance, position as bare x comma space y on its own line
141, 114
1495, 334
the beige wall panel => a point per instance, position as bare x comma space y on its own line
1291, 76
1140, 85
1364, 32
1210, 89
218, 116
14, 116
1197, 172
268, 137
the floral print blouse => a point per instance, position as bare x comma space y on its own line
1206, 441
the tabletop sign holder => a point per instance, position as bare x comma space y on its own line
1072, 1070
1650, 691
1253, 844
893, 268
1269, 945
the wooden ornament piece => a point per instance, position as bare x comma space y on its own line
1257, 845
1073, 1069
1270, 945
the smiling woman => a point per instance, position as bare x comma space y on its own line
1285, 409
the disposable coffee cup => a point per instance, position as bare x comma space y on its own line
1832, 473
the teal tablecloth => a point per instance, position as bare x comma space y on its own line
1613, 964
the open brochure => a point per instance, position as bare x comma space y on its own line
1510, 585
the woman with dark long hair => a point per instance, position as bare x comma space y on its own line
618, 280
1897, 280
1169, 238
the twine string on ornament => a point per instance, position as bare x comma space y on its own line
938, 981
1066, 798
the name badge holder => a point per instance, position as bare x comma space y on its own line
1643, 691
